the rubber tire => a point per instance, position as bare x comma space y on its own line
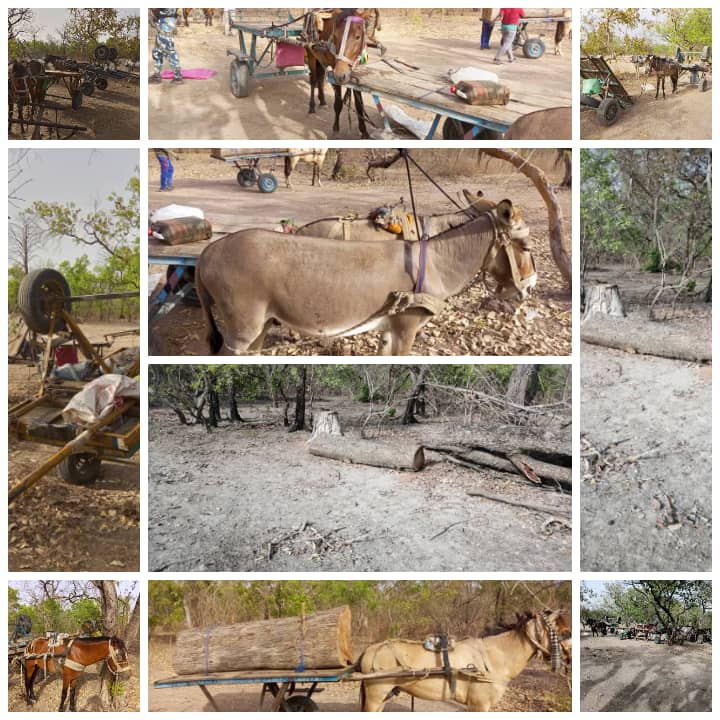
589, 101
88, 88
35, 287
608, 112
239, 78
80, 468
101, 83
453, 129
267, 183
247, 177
534, 48
300, 703
77, 98
102, 52
112, 54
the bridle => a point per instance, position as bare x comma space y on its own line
340, 53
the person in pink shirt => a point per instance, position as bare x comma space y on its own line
509, 22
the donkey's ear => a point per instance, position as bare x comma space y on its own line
505, 212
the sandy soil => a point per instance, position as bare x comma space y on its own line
541, 326
277, 107
87, 697
56, 526
303, 513
661, 407
534, 690
686, 115
640, 676
112, 114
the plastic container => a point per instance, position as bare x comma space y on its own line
180, 231
482, 92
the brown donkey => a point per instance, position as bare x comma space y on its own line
662, 67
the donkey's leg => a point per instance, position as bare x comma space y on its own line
257, 344
338, 106
73, 690
404, 327
360, 109
373, 695
63, 695
246, 333
321, 84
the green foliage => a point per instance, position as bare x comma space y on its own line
604, 29
84, 610
689, 29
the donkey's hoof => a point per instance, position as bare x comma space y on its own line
323, 103
311, 111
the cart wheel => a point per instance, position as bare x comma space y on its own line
88, 88
267, 183
534, 48
102, 52
239, 78
101, 83
112, 54
80, 468
608, 111
704, 85
299, 703
454, 129
40, 291
247, 177
589, 101
77, 98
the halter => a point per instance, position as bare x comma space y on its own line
340, 54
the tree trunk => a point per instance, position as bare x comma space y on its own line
180, 414
416, 401
299, 422
707, 297
212, 400
603, 300
132, 631
110, 616
322, 640
365, 452
234, 413
555, 218
326, 422
524, 384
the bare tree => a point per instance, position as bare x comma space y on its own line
26, 239
18, 21
301, 386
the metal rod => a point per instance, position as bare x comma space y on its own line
104, 296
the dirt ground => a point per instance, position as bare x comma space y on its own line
278, 107
640, 676
540, 326
56, 526
112, 114
87, 697
534, 690
686, 115
299, 512
652, 513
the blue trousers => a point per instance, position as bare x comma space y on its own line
487, 28
166, 172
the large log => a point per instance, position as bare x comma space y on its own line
365, 452
322, 640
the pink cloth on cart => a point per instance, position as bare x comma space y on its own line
194, 74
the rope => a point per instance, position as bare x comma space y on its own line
420, 278
449, 197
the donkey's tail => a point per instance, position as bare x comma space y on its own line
214, 336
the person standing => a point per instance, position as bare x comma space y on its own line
487, 18
167, 170
509, 18
165, 21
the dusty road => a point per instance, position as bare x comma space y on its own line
56, 526
278, 107
249, 497
640, 676
541, 325
686, 115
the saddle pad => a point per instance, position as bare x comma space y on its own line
193, 74
180, 231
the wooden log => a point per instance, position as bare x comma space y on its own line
322, 640
365, 452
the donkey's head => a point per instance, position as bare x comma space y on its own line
348, 42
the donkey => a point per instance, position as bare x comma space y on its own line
662, 67
330, 288
314, 157
374, 228
343, 42
479, 670
25, 90
562, 30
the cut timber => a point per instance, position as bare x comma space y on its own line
603, 300
323, 640
365, 452
326, 422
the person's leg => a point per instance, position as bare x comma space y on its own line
511, 40
173, 59
485, 37
169, 175
503, 46
163, 172
157, 56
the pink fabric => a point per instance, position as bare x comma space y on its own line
194, 74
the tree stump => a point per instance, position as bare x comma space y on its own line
603, 300
326, 422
